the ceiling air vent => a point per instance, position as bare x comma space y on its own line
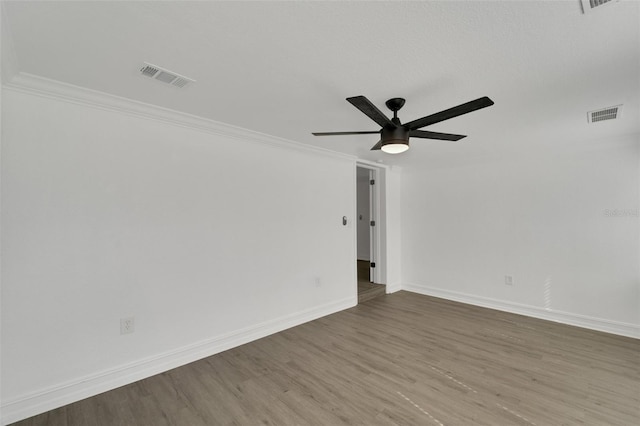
165, 76
589, 5
609, 113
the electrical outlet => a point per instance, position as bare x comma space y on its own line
318, 282
508, 279
127, 325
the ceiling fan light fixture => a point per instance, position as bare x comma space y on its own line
394, 139
395, 147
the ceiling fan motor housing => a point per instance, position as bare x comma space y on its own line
395, 135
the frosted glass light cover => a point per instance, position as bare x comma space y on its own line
395, 148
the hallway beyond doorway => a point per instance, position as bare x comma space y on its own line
366, 289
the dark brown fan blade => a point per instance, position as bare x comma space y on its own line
345, 133
377, 146
370, 110
450, 113
435, 135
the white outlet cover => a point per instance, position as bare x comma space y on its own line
508, 279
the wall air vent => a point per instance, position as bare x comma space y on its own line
609, 113
165, 76
590, 5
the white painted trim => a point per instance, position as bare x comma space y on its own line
354, 224
592, 323
84, 387
40, 86
392, 288
5, 69
371, 165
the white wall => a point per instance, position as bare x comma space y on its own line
542, 218
208, 241
3, 74
9, 63
362, 190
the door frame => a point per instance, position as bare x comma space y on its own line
379, 215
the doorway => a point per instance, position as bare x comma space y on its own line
368, 233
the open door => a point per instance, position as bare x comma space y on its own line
368, 236
370, 219
364, 228
372, 225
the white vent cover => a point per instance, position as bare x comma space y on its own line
589, 5
609, 113
165, 75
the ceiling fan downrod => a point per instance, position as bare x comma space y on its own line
394, 104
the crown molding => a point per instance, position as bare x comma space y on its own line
44, 87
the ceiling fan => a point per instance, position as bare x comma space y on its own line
394, 136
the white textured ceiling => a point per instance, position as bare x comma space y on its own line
285, 68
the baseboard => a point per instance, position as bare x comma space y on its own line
66, 393
392, 288
592, 323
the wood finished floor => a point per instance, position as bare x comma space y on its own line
366, 289
399, 359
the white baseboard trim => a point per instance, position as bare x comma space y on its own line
392, 288
84, 387
592, 323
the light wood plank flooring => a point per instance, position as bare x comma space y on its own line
399, 359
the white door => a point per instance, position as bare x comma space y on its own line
372, 225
